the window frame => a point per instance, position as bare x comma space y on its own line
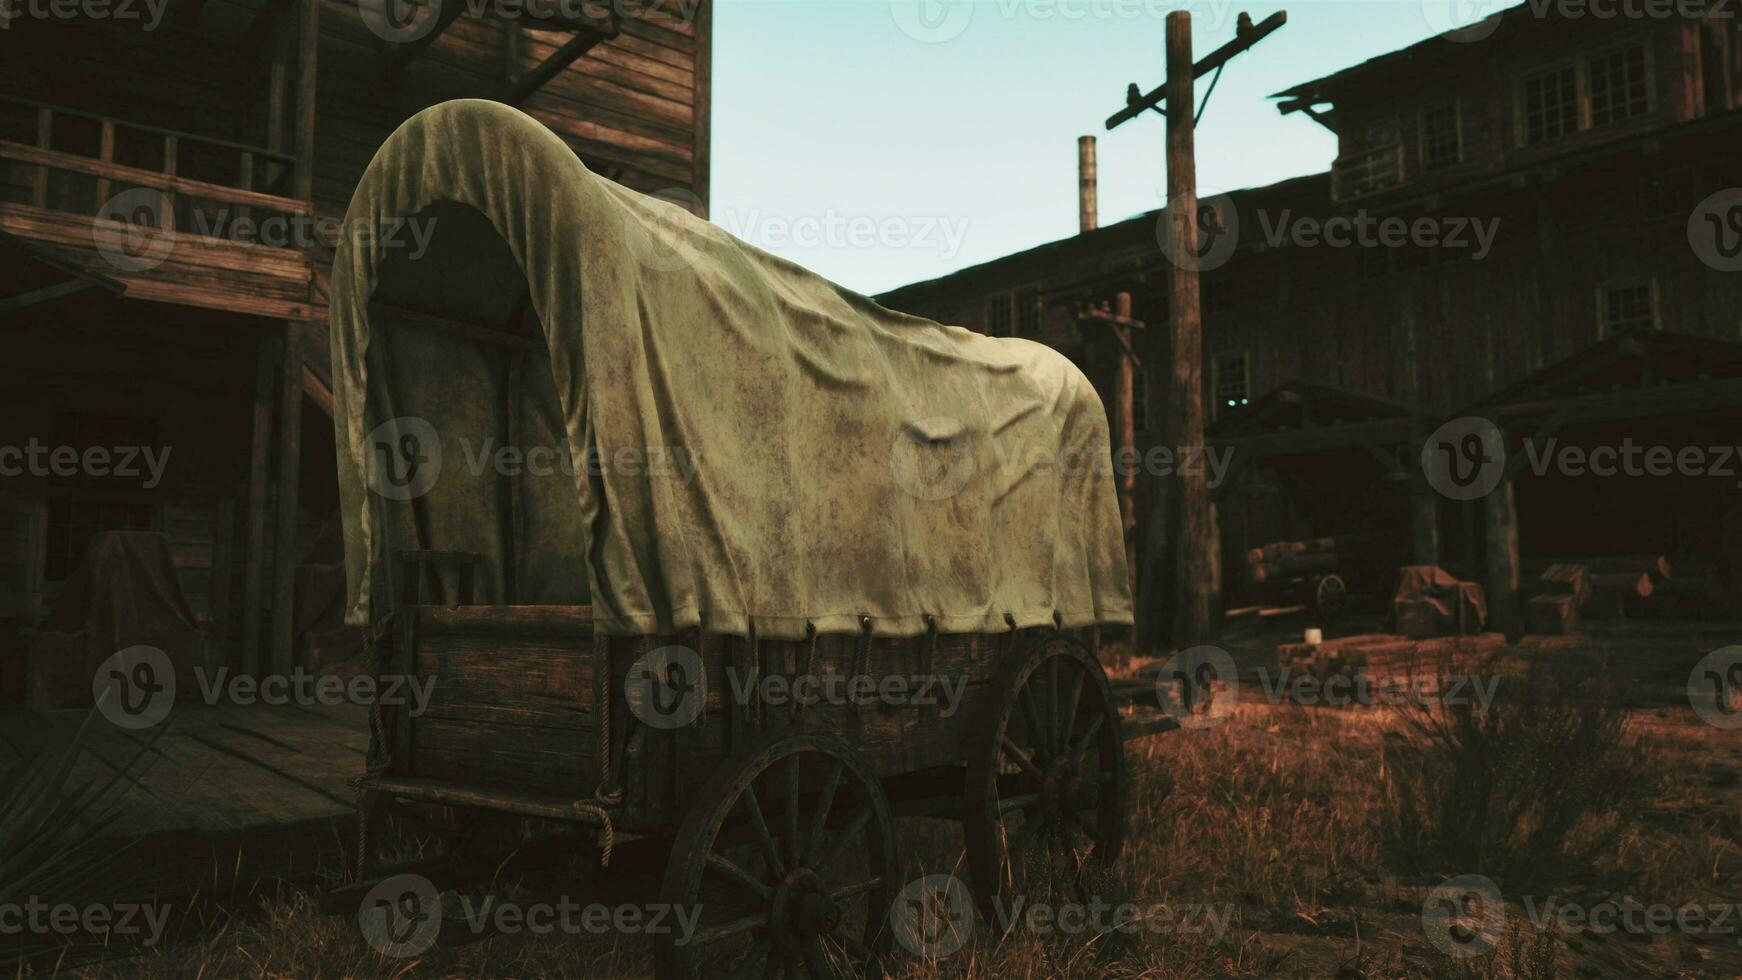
1457, 107
1608, 286
1217, 361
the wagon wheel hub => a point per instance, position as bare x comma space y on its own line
1063, 790
802, 908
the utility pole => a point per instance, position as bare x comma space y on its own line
1185, 512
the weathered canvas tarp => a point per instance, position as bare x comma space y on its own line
834, 459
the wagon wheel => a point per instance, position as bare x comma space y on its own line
1044, 807
1330, 598
787, 857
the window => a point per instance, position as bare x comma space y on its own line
1551, 104
1441, 139
1618, 85
998, 315
1027, 312
1230, 380
1629, 305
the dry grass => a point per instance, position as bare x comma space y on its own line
1321, 830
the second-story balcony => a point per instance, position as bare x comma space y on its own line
166, 216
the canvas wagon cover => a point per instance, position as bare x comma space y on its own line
848, 460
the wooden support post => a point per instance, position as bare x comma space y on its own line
1424, 524
171, 161
1185, 432
308, 50
277, 88
1125, 432
285, 520
1501, 524
254, 546
105, 153
223, 557
44, 140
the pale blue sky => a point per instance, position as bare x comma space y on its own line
847, 145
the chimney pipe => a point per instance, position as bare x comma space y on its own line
1088, 211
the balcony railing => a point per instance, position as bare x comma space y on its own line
213, 204
1369, 172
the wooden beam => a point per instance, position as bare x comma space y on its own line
318, 391
1500, 524
168, 183
254, 542
308, 61
580, 44
400, 55
12, 304
1245, 37
223, 559
284, 556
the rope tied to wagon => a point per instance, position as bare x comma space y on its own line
606, 796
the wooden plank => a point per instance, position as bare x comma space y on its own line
223, 562
254, 547
308, 50
284, 547
167, 183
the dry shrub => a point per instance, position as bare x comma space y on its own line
1520, 790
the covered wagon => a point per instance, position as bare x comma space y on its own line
709, 556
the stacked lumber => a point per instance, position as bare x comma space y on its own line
1291, 559
1569, 589
1390, 654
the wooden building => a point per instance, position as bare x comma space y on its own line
1561, 172
170, 196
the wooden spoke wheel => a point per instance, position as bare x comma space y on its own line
1045, 806
1330, 598
788, 858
